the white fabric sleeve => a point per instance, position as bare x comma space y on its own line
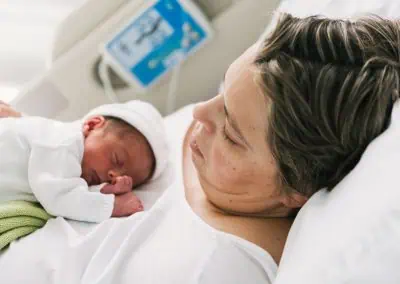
231, 265
97, 187
54, 176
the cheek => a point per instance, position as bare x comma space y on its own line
236, 170
94, 156
227, 166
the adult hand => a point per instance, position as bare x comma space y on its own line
7, 111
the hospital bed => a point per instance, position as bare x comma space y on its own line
337, 251
69, 88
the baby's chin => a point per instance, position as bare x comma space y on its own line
86, 178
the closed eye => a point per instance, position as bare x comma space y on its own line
117, 160
226, 136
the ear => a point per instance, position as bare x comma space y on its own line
95, 122
294, 200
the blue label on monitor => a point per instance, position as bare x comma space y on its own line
156, 41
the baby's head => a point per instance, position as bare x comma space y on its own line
123, 139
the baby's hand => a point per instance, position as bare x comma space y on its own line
7, 111
122, 184
126, 204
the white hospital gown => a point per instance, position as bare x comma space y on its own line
167, 243
40, 160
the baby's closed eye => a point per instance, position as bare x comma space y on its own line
118, 160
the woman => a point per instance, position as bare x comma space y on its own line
294, 115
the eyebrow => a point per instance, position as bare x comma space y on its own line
235, 126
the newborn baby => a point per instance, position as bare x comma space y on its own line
83, 170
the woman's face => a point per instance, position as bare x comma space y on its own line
229, 148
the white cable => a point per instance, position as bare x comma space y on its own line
172, 90
173, 86
105, 79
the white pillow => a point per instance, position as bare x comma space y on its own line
352, 234
341, 8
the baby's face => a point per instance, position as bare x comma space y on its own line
107, 155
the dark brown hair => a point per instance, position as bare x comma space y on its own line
331, 85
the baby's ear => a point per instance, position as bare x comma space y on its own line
92, 123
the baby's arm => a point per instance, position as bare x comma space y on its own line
54, 176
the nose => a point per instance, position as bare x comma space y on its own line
206, 113
113, 174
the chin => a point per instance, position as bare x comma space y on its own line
85, 177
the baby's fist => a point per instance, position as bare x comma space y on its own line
120, 185
124, 183
126, 204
